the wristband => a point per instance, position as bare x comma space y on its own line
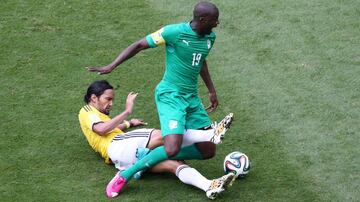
127, 124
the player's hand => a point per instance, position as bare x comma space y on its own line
130, 100
100, 70
137, 122
213, 102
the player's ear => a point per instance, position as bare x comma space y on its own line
93, 98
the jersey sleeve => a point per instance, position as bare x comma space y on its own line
165, 35
155, 39
91, 119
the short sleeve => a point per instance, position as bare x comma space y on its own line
91, 119
167, 35
155, 39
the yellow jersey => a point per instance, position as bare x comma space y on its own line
88, 116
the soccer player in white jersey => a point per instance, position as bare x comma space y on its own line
106, 136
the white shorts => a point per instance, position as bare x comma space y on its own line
122, 149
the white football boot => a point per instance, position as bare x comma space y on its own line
219, 185
221, 128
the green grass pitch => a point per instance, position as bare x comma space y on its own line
289, 71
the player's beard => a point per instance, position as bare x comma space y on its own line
106, 111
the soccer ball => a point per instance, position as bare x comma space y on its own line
238, 163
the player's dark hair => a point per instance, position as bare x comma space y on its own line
203, 9
97, 88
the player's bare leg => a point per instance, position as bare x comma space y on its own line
172, 144
207, 149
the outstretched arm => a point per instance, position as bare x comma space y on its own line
205, 75
127, 53
102, 128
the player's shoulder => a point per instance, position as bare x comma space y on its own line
85, 110
177, 27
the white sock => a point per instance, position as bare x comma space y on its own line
194, 136
191, 176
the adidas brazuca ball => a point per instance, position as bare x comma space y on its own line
238, 163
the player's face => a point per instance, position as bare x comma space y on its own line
105, 101
210, 22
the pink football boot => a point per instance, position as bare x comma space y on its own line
115, 185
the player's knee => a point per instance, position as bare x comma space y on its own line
209, 154
172, 144
172, 151
155, 139
157, 135
208, 150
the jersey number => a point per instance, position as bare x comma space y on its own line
196, 59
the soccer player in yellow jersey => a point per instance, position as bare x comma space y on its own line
187, 45
105, 135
